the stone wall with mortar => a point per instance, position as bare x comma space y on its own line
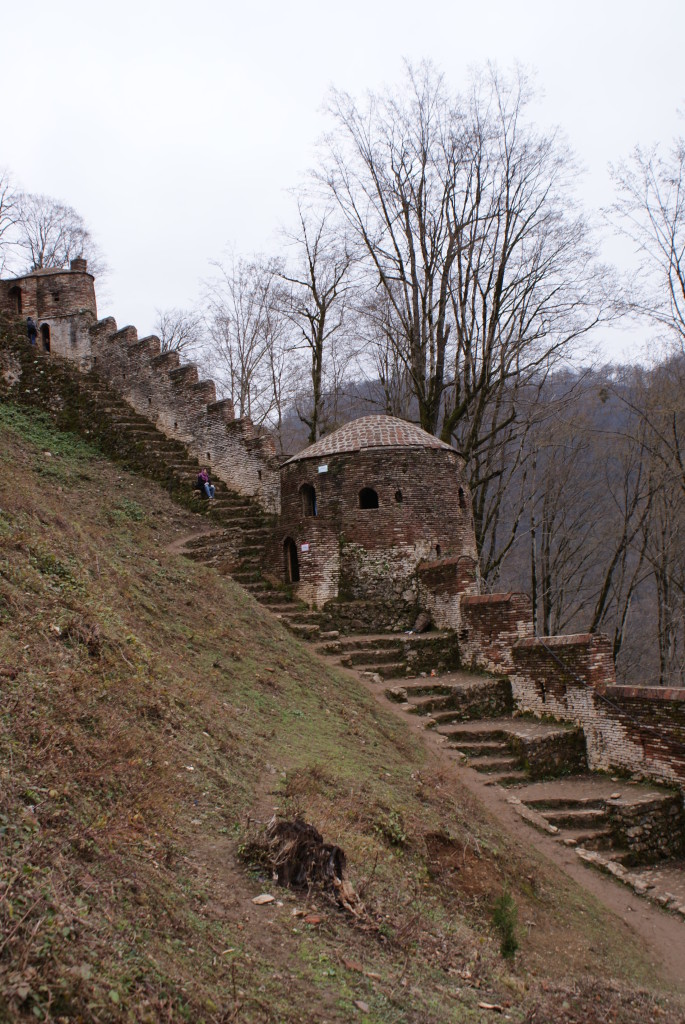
173, 398
423, 514
490, 625
649, 829
635, 729
63, 304
443, 583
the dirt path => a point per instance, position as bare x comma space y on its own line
663, 934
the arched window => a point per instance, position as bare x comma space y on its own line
462, 498
292, 566
308, 499
368, 498
398, 497
15, 299
45, 336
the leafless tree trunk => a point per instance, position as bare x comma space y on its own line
8, 216
247, 333
315, 302
391, 171
650, 211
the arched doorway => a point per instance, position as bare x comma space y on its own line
45, 336
292, 565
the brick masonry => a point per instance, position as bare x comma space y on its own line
185, 408
490, 626
63, 304
635, 729
350, 552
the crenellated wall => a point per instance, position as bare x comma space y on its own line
185, 408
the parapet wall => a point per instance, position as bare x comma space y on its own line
173, 398
443, 584
491, 624
635, 729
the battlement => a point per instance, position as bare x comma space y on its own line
172, 396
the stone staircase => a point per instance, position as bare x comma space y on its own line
85, 403
614, 823
611, 822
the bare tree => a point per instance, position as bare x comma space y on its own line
50, 234
315, 304
8, 215
391, 169
179, 329
461, 212
650, 211
246, 335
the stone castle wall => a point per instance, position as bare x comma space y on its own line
182, 406
634, 729
491, 624
63, 304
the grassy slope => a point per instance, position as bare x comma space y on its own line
150, 709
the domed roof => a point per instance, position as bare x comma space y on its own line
371, 432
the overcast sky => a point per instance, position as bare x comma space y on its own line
177, 128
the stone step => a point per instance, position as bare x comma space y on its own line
479, 749
270, 597
393, 670
578, 818
485, 735
507, 778
375, 641
566, 803
305, 630
370, 657
596, 839
495, 764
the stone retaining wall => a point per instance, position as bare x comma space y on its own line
635, 729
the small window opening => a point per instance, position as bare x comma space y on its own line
55, 296
259, 474
149, 401
462, 498
368, 498
438, 550
15, 300
209, 457
398, 497
45, 337
292, 567
308, 499
175, 424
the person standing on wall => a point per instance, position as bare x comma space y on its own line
31, 330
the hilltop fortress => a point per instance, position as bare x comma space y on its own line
372, 522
